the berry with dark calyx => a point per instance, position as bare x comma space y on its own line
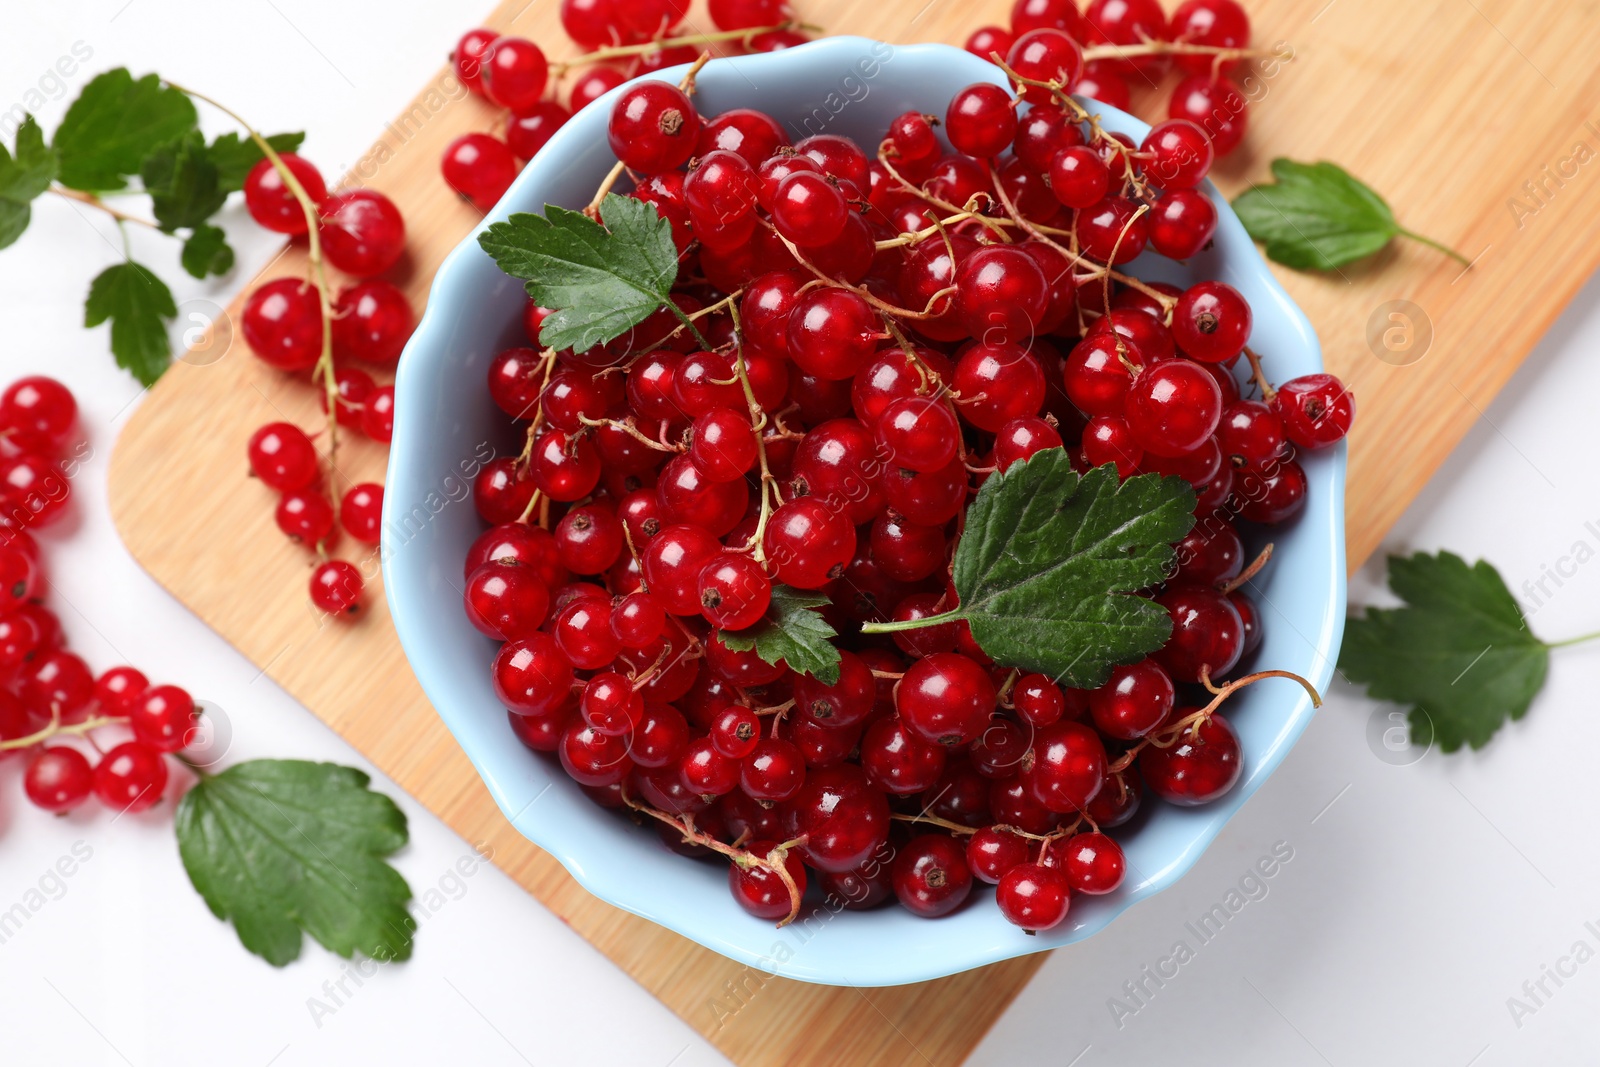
58, 779
1211, 322
1316, 410
946, 698
981, 121
1182, 224
931, 876
270, 201
1251, 434
1173, 407
844, 703
513, 72
1178, 154
282, 324
506, 600
164, 718
1046, 55
479, 167
1093, 862
1200, 766
589, 538
131, 777
807, 542
305, 516
759, 889
734, 591
468, 57
653, 127
336, 587
282, 456
527, 131
673, 561
362, 232
1034, 897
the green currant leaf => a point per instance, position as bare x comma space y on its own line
234, 155
1459, 651
1048, 568
792, 633
23, 176
182, 182
282, 846
206, 251
601, 281
114, 124
1316, 216
136, 302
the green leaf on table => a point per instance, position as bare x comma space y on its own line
282, 846
1316, 216
182, 182
1051, 562
206, 251
234, 155
137, 303
1459, 651
793, 633
24, 175
601, 281
115, 122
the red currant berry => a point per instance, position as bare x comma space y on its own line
1211, 322
1182, 224
832, 332
981, 121
527, 131
1046, 55
592, 758
282, 456
372, 321
468, 57
845, 820
1001, 295
653, 127
304, 515
506, 600
1038, 700
479, 167
1111, 231
1101, 82
808, 543
591, 85
1134, 701
58, 779
118, 690
1316, 410
759, 889
131, 777
1173, 407
1214, 104
38, 414
1207, 634
1178, 154
513, 72
531, 676
282, 324
931, 876
336, 587
1093, 862
361, 512
946, 698
673, 561
897, 760
1127, 22
1079, 178
987, 42
362, 232
1200, 766
164, 718
1214, 23
734, 591
1272, 495
998, 383
270, 201
1034, 897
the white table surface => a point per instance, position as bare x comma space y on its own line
1421, 896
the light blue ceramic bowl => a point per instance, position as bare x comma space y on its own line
446, 425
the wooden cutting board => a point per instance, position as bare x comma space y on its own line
1474, 119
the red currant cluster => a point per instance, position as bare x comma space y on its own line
1134, 39
623, 39
855, 344
47, 692
296, 326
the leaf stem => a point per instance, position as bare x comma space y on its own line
894, 626
1431, 243
196, 769
100, 205
1580, 639
323, 370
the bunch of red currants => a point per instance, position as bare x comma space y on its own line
47, 693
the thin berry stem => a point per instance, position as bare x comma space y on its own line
602, 55
95, 202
